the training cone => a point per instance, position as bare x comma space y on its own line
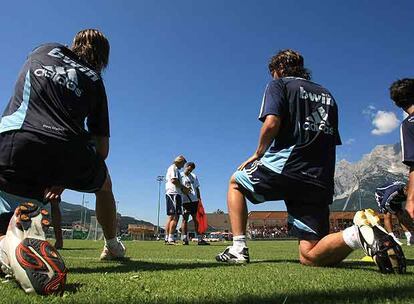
367, 258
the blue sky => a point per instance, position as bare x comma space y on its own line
187, 77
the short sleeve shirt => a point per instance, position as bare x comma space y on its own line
59, 95
305, 147
190, 181
407, 141
172, 172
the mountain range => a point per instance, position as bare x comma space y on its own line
72, 213
355, 183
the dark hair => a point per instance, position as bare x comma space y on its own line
289, 63
402, 92
93, 47
190, 164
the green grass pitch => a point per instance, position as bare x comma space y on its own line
189, 274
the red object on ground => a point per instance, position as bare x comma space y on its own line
201, 218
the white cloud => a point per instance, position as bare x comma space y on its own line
350, 141
384, 122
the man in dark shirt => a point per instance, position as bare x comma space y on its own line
300, 118
44, 145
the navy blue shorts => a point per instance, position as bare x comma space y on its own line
190, 207
307, 204
31, 162
174, 205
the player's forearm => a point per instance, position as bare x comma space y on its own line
268, 133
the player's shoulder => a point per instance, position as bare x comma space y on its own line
275, 84
47, 47
408, 122
171, 168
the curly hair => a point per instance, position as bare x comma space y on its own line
289, 63
402, 92
92, 46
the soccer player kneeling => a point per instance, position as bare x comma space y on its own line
300, 117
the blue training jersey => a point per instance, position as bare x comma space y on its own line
407, 141
305, 147
55, 93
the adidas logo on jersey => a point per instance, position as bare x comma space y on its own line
63, 76
318, 121
323, 98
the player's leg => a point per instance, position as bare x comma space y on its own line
237, 208
388, 222
170, 210
106, 209
309, 222
408, 225
330, 250
366, 234
254, 182
174, 209
57, 223
173, 226
106, 216
167, 229
389, 226
184, 226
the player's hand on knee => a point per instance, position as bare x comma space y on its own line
251, 159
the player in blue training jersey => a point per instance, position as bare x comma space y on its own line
54, 134
390, 198
295, 162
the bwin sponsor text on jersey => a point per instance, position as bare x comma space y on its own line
324, 98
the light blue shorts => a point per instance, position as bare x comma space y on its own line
9, 202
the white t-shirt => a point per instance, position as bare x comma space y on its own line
190, 181
172, 172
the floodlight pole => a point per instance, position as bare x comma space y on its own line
160, 179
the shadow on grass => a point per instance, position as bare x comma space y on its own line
73, 288
385, 294
77, 249
141, 266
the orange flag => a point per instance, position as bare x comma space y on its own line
201, 218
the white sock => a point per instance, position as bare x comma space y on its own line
351, 238
239, 242
166, 237
184, 237
407, 235
171, 238
111, 242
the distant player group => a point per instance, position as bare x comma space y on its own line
45, 149
182, 194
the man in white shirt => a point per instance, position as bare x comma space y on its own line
173, 191
190, 202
